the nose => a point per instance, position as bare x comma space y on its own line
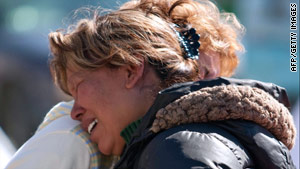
77, 112
212, 73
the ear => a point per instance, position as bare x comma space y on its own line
134, 74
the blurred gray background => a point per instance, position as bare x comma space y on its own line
26, 89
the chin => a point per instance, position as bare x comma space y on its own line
111, 149
105, 151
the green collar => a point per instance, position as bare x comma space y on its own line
129, 130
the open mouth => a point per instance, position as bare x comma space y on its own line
92, 126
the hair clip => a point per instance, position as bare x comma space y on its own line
189, 41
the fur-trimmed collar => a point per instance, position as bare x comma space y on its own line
229, 102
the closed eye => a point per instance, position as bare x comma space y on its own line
76, 89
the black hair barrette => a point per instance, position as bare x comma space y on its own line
189, 41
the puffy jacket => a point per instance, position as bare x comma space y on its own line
220, 123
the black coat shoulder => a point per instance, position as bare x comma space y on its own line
193, 146
231, 144
247, 143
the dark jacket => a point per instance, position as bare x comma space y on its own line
220, 123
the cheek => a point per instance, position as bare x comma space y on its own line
88, 96
84, 94
97, 101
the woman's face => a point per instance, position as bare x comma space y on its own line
209, 65
103, 105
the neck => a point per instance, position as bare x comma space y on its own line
144, 95
129, 130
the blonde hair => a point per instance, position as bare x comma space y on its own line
140, 29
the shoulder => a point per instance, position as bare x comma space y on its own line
266, 151
187, 146
52, 149
61, 109
61, 143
